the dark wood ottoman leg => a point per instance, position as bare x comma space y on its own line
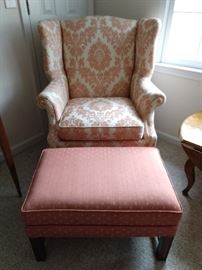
163, 247
38, 248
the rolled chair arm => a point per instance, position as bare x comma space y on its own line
54, 98
146, 96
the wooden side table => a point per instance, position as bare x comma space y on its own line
191, 141
8, 156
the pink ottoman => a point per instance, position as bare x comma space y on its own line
113, 192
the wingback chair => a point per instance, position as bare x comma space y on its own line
100, 91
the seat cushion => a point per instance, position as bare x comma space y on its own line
99, 55
100, 119
101, 186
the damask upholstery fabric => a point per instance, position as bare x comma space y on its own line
101, 186
100, 119
145, 96
99, 55
54, 97
50, 34
147, 30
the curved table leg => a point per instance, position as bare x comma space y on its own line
190, 173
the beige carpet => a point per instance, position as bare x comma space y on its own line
104, 253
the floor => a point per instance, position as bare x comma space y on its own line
104, 253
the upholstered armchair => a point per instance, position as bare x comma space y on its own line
100, 91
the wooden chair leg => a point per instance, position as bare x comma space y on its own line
38, 248
163, 247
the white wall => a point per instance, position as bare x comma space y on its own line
132, 9
17, 87
184, 96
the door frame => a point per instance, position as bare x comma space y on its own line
27, 32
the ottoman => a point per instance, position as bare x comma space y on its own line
101, 192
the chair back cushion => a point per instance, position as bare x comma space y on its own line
99, 54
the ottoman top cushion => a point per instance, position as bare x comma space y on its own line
118, 179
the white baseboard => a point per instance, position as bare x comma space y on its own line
19, 147
169, 138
